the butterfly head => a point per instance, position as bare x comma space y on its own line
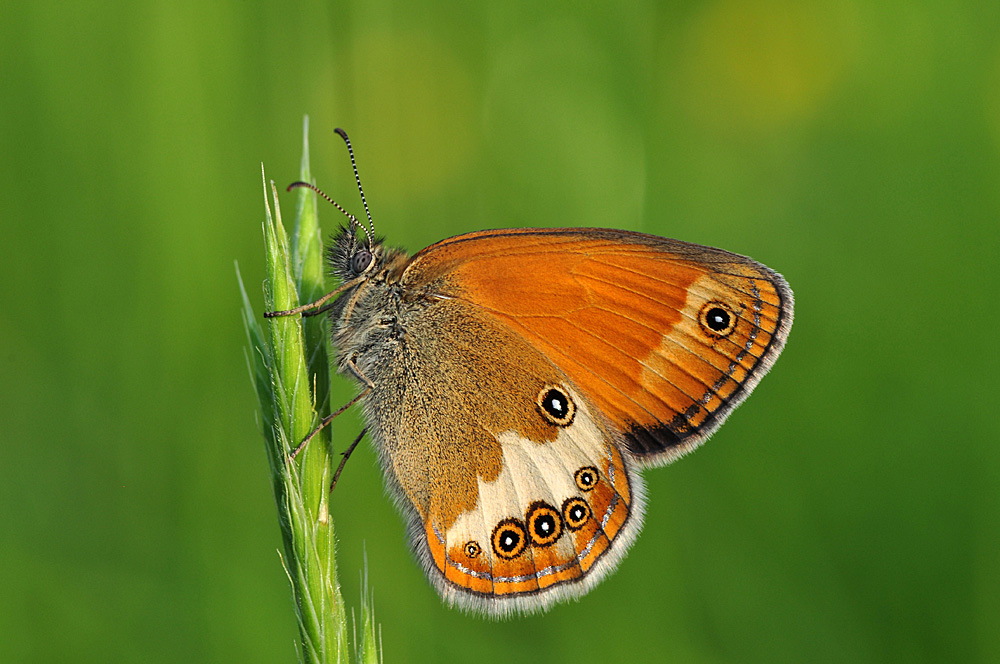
364, 316
351, 257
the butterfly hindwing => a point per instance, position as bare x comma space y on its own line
541, 528
516, 489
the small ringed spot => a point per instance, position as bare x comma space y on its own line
472, 549
586, 478
556, 406
509, 539
717, 319
575, 511
544, 524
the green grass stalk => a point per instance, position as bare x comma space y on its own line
289, 367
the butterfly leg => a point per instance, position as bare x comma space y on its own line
321, 310
318, 304
346, 454
326, 420
357, 373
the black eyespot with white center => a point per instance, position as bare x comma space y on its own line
575, 512
360, 261
586, 478
544, 524
556, 406
717, 319
472, 549
509, 539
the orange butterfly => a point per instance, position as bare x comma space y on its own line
515, 381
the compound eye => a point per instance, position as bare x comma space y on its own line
360, 261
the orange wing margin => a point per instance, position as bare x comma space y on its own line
635, 320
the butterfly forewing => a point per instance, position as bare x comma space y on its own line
664, 337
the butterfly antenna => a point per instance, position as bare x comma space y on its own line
354, 220
354, 165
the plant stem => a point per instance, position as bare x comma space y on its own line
289, 366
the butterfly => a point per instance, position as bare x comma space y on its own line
514, 382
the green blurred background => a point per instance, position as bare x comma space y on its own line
849, 512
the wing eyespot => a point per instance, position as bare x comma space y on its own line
509, 539
717, 319
586, 478
556, 405
472, 549
544, 524
575, 512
